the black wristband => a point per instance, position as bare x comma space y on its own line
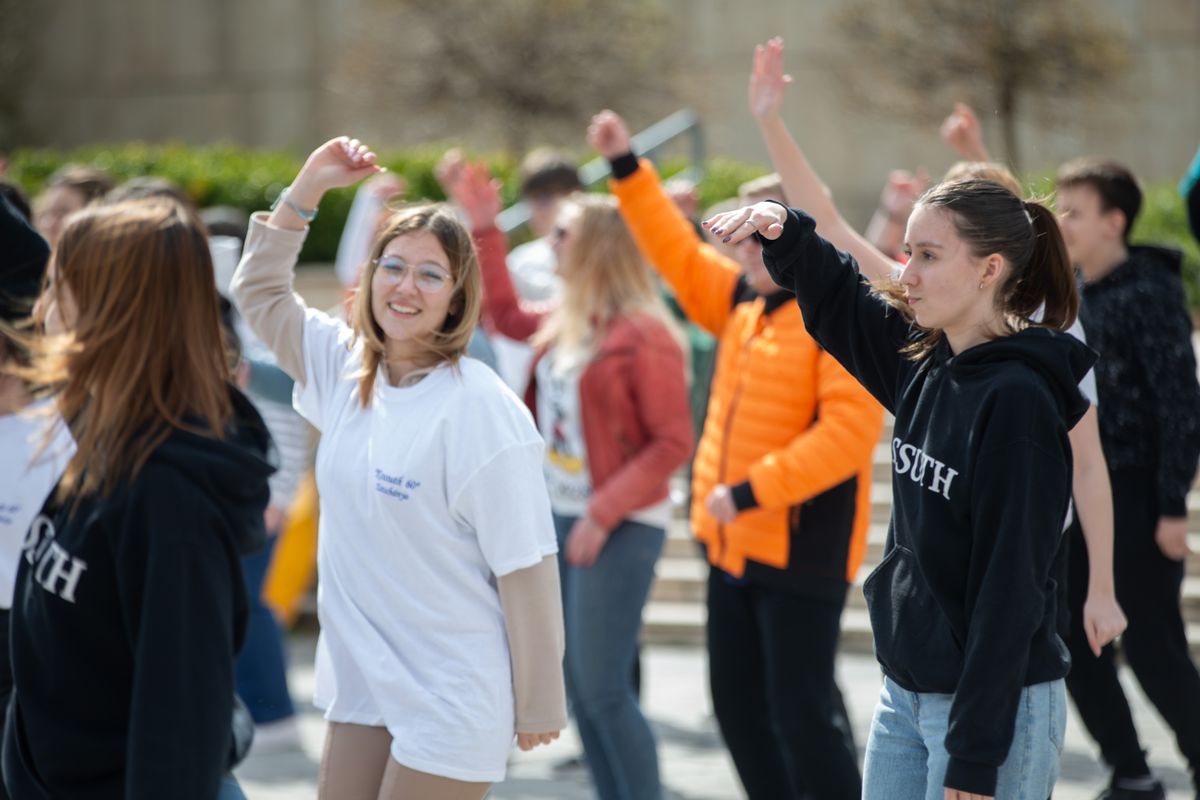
743, 496
624, 165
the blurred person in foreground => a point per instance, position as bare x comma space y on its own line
129, 605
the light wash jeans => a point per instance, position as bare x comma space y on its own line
230, 789
602, 607
906, 754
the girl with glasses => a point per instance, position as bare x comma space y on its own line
441, 631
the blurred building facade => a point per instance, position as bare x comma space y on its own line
268, 73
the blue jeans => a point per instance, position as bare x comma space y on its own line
261, 669
230, 789
602, 607
906, 753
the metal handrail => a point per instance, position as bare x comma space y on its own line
646, 143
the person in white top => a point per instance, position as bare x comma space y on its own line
441, 623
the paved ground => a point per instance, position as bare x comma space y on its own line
693, 762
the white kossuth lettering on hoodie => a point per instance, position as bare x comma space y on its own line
922, 468
55, 570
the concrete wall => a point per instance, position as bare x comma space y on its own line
266, 73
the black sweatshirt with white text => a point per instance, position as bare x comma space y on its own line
126, 619
964, 601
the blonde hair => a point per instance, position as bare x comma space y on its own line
606, 278
449, 343
766, 187
145, 354
985, 171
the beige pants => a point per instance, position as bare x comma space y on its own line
357, 765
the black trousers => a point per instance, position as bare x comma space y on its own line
1155, 645
771, 670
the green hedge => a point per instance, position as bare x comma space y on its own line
249, 179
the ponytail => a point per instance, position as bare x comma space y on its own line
1048, 279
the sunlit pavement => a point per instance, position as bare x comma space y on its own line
693, 761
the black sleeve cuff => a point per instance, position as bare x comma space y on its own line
743, 496
970, 777
624, 166
1172, 506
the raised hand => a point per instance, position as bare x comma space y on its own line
767, 80
901, 192
765, 219
339, 162
472, 188
962, 132
609, 135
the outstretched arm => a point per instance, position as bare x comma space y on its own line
262, 285
801, 184
840, 310
470, 186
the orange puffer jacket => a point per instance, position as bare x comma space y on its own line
785, 420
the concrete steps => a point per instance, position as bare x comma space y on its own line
676, 614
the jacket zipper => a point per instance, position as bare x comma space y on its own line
733, 403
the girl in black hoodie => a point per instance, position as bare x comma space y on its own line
963, 605
129, 603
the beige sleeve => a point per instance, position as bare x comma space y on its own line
262, 291
533, 616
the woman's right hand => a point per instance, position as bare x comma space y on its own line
767, 80
765, 219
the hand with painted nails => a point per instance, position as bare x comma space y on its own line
765, 219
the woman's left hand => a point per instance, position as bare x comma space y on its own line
584, 542
955, 794
764, 218
1103, 620
528, 741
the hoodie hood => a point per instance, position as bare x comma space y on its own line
231, 471
1059, 358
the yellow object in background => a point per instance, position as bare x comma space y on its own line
294, 563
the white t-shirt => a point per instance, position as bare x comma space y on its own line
427, 495
531, 266
26, 479
568, 478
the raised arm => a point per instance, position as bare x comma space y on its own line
262, 285
963, 133
705, 282
801, 184
472, 188
840, 310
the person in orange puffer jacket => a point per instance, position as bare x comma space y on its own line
781, 485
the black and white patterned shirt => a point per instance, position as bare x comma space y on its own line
1136, 317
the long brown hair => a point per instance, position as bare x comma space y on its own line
989, 218
607, 278
449, 343
145, 353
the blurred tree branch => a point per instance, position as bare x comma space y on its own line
914, 58
525, 65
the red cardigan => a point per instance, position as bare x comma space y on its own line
633, 395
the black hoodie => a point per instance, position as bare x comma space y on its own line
964, 601
127, 616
